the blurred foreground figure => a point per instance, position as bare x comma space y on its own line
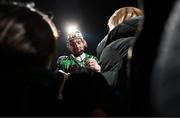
155, 65
86, 93
27, 44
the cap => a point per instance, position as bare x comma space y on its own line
75, 34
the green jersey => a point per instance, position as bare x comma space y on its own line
68, 63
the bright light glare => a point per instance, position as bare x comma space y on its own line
71, 29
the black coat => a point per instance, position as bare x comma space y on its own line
112, 52
145, 52
29, 93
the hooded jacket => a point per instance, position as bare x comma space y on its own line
112, 52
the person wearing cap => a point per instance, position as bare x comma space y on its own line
77, 44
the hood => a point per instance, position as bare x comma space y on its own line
121, 31
124, 30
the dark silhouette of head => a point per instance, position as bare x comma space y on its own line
27, 36
84, 91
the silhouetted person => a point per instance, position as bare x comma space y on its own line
86, 93
27, 44
154, 67
124, 25
165, 79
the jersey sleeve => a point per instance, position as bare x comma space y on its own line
60, 64
94, 57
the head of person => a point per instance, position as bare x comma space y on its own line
123, 14
27, 36
85, 90
76, 43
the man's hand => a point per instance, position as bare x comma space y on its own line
94, 65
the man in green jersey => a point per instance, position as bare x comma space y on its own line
76, 44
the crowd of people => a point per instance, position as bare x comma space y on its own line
118, 81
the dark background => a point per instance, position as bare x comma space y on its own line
90, 15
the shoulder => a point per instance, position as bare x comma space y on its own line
62, 58
91, 56
119, 47
101, 46
103, 41
122, 43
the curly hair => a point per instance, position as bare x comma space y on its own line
69, 46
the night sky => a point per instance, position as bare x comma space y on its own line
90, 15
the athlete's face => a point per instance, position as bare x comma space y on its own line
77, 46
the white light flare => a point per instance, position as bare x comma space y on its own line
72, 29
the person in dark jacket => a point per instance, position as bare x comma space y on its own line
27, 42
112, 50
155, 76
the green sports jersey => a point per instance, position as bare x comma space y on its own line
68, 63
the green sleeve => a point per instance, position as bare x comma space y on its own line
60, 64
96, 59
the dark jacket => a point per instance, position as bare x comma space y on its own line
112, 52
145, 51
165, 78
29, 93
